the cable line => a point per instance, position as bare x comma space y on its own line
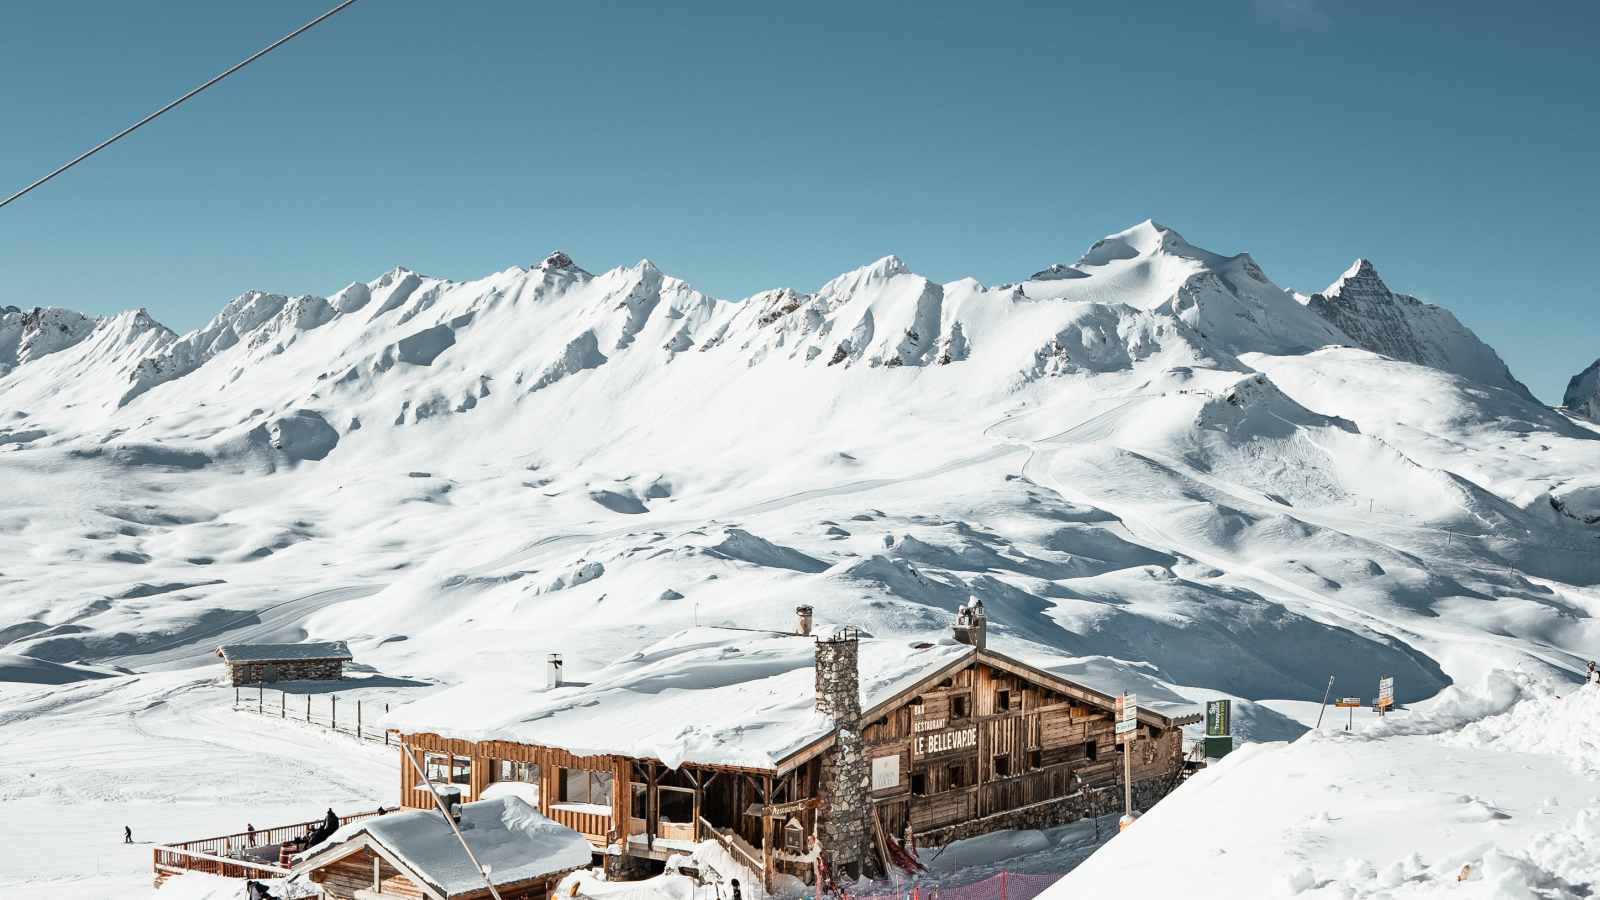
292, 35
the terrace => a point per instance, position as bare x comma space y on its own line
263, 853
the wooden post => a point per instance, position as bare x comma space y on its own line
261, 698
308, 708
333, 715
358, 719
769, 871
1127, 778
283, 705
650, 816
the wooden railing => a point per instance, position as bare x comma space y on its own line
260, 849
329, 718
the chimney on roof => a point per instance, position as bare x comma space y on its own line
553, 670
844, 814
802, 624
972, 625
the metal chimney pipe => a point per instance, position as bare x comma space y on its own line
553, 670
802, 625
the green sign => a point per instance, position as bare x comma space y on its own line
1219, 717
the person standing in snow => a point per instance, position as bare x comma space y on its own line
330, 822
1593, 675
735, 884
127, 831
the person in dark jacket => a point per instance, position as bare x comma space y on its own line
127, 830
735, 884
330, 822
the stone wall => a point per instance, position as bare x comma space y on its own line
289, 670
844, 816
1097, 802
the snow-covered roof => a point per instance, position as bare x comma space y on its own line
254, 653
512, 838
713, 696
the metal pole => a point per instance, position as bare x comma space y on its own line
1324, 702
406, 749
333, 715
308, 708
283, 705
358, 719
261, 698
1127, 778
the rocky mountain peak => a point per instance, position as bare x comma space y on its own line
555, 262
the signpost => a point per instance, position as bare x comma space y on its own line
1219, 728
1385, 701
1127, 730
1353, 703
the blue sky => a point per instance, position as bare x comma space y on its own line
744, 146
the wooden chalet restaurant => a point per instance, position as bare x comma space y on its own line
796, 752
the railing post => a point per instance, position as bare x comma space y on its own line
1002, 884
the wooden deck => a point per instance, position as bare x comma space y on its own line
242, 855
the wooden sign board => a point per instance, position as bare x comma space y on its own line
1348, 701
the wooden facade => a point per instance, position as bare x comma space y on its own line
982, 744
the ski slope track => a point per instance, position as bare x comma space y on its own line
1156, 467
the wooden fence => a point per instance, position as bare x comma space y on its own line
242, 855
327, 716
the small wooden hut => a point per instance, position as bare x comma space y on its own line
415, 855
270, 663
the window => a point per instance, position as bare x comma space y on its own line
1091, 750
958, 707
509, 770
957, 775
1035, 759
1002, 766
444, 769
919, 784
1002, 701
641, 801
585, 786
677, 805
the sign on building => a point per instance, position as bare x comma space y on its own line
886, 772
948, 741
1219, 718
1127, 718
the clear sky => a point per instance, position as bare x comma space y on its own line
744, 146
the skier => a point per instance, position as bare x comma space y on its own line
127, 832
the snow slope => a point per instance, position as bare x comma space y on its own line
1495, 783
1154, 466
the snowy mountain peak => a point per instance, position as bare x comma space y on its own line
1402, 327
555, 262
1583, 393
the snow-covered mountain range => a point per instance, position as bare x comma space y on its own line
1152, 457
1159, 470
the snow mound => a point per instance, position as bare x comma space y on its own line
1565, 725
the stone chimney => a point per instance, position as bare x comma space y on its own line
843, 829
972, 625
802, 625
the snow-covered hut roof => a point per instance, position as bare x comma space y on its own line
710, 696
513, 839
263, 653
